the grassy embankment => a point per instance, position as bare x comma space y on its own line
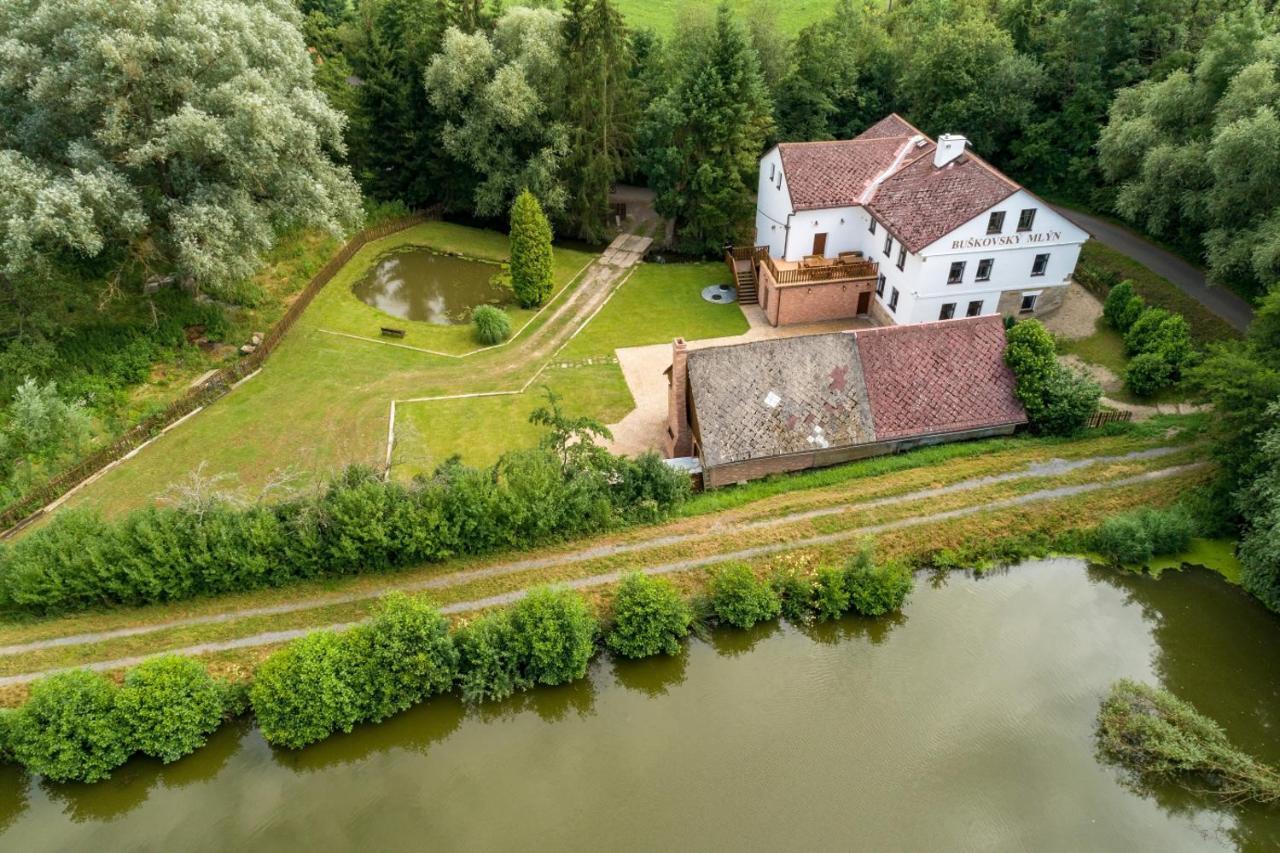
786, 539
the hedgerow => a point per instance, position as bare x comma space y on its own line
357, 523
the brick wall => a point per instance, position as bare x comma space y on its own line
809, 303
753, 469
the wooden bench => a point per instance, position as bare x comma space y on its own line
389, 332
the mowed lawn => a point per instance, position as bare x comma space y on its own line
321, 401
663, 16
657, 304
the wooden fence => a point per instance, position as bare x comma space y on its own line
1100, 418
27, 508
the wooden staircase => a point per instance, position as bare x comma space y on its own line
742, 264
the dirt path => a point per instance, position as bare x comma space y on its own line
1050, 468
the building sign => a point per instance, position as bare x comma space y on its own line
997, 240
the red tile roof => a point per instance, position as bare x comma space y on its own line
889, 169
940, 377
836, 174
919, 203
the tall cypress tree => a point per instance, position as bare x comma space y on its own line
597, 110
703, 138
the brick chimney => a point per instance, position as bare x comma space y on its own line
679, 437
950, 146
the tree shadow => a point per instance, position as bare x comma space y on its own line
732, 642
653, 676
851, 626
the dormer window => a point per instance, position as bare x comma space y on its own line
995, 223
1026, 219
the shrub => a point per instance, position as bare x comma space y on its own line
409, 656
1133, 538
1156, 734
876, 590
356, 523
555, 635
171, 705
740, 599
795, 595
1172, 342
531, 253
649, 618
492, 325
1122, 306
489, 659
309, 689
1143, 333
6, 736
1147, 374
1058, 401
831, 595
70, 729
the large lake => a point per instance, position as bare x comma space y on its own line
967, 724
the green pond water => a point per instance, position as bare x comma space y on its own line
418, 284
965, 724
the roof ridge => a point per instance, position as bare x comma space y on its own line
841, 141
953, 323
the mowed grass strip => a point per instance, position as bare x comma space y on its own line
857, 482
709, 548
915, 543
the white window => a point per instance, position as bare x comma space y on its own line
956, 275
1026, 219
948, 311
902, 256
872, 229
893, 300
1028, 303
773, 170
975, 308
984, 269
880, 285
888, 245
995, 223
1040, 264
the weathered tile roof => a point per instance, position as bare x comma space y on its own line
805, 393
888, 168
938, 377
836, 174
919, 203
787, 395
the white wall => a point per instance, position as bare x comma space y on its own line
773, 204
840, 224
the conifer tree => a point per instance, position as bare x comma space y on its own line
702, 139
531, 255
597, 110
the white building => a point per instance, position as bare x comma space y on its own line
941, 232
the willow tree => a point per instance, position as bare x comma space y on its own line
597, 110
164, 136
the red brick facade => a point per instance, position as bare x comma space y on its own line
811, 302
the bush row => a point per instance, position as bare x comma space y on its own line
1133, 538
78, 726
1157, 341
1058, 401
356, 523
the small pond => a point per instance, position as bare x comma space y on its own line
418, 284
965, 724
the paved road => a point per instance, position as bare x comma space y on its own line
1185, 277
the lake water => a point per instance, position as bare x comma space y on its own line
965, 724
417, 284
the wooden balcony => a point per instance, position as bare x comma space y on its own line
846, 268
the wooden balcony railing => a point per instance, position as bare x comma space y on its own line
835, 270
